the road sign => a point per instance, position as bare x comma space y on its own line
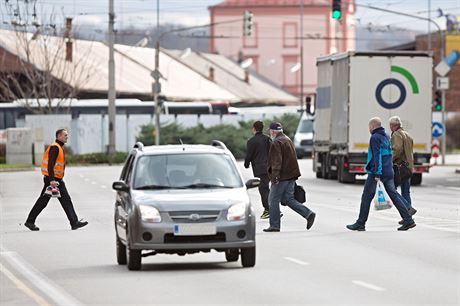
435, 153
435, 144
437, 129
442, 83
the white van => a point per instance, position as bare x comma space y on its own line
303, 139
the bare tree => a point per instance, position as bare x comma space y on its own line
41, 69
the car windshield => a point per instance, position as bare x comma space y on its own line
180, 171
306, 126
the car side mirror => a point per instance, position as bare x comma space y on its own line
253, 183
120, 186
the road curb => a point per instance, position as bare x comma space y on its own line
17, 169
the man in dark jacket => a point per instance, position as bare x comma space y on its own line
283, 171
380, 168
257, 155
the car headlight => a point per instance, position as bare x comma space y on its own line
236, 212
149, 214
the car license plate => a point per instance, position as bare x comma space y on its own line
194, 229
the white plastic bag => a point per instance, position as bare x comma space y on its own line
382, 200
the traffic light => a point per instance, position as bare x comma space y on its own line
247, 23
438, 100
336, 9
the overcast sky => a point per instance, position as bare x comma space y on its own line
93, 13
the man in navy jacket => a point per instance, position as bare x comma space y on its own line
379, 167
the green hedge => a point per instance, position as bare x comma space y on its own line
95, 158
234, 137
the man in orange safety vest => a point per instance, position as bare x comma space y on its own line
53, 168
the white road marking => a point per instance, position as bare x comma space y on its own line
103, 186
23, 287
53, 291
303, 263
367, 285
454, 188
454, 179
86, 179
381, 216
93, 182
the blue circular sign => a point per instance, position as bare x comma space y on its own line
389, 105
437, 129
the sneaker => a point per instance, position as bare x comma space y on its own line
310, 220
406, 226
31, 226
356, 227
265, 215
79, 224
271, 229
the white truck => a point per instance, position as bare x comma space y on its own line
356, 86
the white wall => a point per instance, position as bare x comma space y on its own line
89, 133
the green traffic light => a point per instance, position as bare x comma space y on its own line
438, 107
336, 14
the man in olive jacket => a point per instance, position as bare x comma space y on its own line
283, 171
402, 147
257, 155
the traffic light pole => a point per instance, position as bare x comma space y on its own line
443, 119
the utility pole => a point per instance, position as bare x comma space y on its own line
112, 109
156, 86
429, 25
301, 54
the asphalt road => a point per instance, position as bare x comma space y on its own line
327, 265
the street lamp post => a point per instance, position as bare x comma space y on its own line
156, 87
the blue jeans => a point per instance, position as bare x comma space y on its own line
369, 192
405, 192
284, 191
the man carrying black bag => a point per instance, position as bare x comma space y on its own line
403, 159
283, 171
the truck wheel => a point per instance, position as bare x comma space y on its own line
416, 179
121, 252
232, 255
134, 259
344, 175
248, 257
318, 173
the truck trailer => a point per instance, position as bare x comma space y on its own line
356, 86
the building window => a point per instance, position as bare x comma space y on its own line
290, 77
290, 35
251, 41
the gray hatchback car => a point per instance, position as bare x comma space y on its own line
183, 199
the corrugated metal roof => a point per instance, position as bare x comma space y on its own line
90, 63
231, 76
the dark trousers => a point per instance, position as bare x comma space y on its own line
43, 200
369, 192
264, 190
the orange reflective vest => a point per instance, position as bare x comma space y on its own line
58, 166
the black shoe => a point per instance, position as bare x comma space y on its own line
31, 226
310, 220
356, 227
412, 211
79, 224
271, 229
406, 226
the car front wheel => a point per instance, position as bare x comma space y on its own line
232, 255
121, 252
248, 257
134, 259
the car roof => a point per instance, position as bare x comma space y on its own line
182, 149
